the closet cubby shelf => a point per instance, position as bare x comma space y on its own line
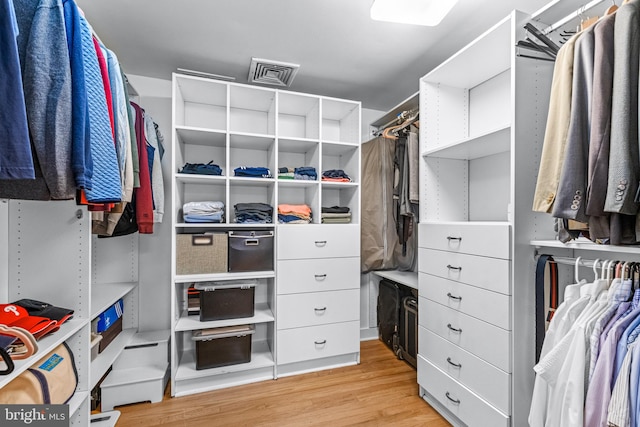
256, 141
105, 295
489, 143
104, 360
224, 276
330, 184
45, 345
585, 245
202, 136
297, 145
251, 182
297, 183
263, 314
76, 402
261, 357
188, 178
226, 226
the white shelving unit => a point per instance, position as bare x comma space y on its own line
481, 137
237, 125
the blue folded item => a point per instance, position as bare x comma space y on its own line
252, 172
109, 316
202, 169
335, 173
211, 217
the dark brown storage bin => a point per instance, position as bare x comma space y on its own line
230, 300
217, 347
204, 253
250, 251
110, 334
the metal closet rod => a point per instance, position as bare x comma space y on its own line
583, 9
582, 263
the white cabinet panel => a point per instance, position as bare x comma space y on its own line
312, 275
317, 308
491, 383
480, 338
486, 273
491, 240
492, 307
462, 402
314, 342
318, 241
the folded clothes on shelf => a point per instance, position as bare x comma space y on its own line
253, 213
335, 209
285, 173
307, 173
335, 175
252, 172
201, 168
294, 214
205, 211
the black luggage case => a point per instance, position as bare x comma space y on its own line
390, 296
408, 334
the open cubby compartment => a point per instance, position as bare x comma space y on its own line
342, 156
475, 189
251, 190
196, 188
200, 103
252, 150
334, 195
252, 110
200, 146
294, 153
299, 193
340, 120
298, 116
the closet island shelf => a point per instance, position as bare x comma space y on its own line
489, 143
263, 314
585, 245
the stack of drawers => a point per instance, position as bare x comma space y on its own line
464, 338
318, 292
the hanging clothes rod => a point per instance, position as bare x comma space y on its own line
395, 122
573, 15
582, 262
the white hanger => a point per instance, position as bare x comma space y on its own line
595, 269
576, 276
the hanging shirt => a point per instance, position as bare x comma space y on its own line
619, 412
143, 195
157, 184
16, 161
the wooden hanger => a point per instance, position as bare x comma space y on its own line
586, 23
611, 8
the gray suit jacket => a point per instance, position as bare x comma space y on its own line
572, 187
624, 164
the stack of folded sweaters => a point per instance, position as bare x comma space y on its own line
336, 215
252, 172
253, 213
306, 173
203, 212
294, 214
335, 175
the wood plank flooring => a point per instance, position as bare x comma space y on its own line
381, 391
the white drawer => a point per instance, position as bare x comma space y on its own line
461, 401
318, 241
489, 382
315, 342
490, 240
487, 273
489, 306
318, 308
480, 338
324, 274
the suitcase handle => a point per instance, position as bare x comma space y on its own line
450, 238
320, 276
251, 242
323, 309
450, 267
202, 240
456, 401
323, 342
454, 297
321, 243
458, 331
457, 365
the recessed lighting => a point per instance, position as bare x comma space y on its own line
415, 12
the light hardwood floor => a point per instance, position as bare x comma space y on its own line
380, 391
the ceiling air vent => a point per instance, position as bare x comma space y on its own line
274, 73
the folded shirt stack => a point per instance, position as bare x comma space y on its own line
252, 172
335, 175
336, 215
294, 214
203, 211
307, 173
285, 173
201, 169
253, 213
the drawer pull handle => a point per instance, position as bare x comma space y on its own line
458, 331
320, 276
457, 365
456, 401
323, 309
450, 238
450, 267
323, 342
454, 297
321, 243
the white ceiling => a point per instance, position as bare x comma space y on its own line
342, 52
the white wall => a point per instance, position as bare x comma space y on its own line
369, 116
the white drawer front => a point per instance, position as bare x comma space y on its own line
462, 402
318, 308
315, 342
486, 380
489, 306
318, 241
490, 240
476, 336
482, 272
324, 274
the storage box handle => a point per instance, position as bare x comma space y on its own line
320, 276
251, 242
202, 240
321, 243
323, 342
322, 309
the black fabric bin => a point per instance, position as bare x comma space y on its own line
250, 251
231, 300
217, 347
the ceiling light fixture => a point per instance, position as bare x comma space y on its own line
415, 12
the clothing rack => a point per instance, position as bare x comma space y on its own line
575, 14
409, 116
